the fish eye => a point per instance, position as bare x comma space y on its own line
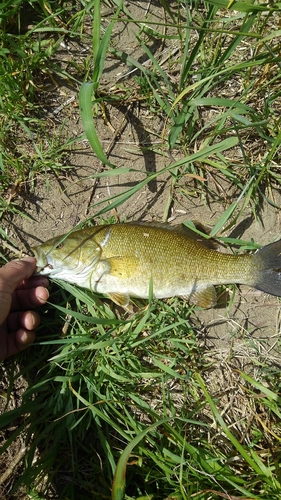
60, 245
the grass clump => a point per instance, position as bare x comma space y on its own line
139, 407
136, 394
31, 143
215, 94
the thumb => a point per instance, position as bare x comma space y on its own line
13, 273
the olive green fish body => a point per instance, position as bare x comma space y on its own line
126, 260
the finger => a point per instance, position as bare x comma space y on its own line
19, 340
23, 319
33, 282
13, 273
25, 299
23, 338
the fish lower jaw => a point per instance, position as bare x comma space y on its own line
43, 271
63, 275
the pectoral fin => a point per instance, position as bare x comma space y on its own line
121, 299
204, 298
122, 267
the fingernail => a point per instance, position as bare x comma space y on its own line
24, 337
43, 299
28, 259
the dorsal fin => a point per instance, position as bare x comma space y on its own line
206, 242
209, 243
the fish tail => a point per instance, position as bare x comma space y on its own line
267, 261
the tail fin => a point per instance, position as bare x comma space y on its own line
268, 264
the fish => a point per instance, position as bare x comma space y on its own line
139, 259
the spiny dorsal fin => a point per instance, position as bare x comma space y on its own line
206, 242
209, 243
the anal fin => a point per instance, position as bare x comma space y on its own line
206, 297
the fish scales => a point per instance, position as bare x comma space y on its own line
170, 257
124, 260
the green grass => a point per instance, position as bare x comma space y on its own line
119, 407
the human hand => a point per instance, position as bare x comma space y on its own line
19, 291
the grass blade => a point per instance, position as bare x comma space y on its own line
85, 105
254, 461
119, 482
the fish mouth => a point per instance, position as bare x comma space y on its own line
43, 266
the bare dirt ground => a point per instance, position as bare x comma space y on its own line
248, 330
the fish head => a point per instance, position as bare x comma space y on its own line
69, 257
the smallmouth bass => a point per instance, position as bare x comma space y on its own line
122, 260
